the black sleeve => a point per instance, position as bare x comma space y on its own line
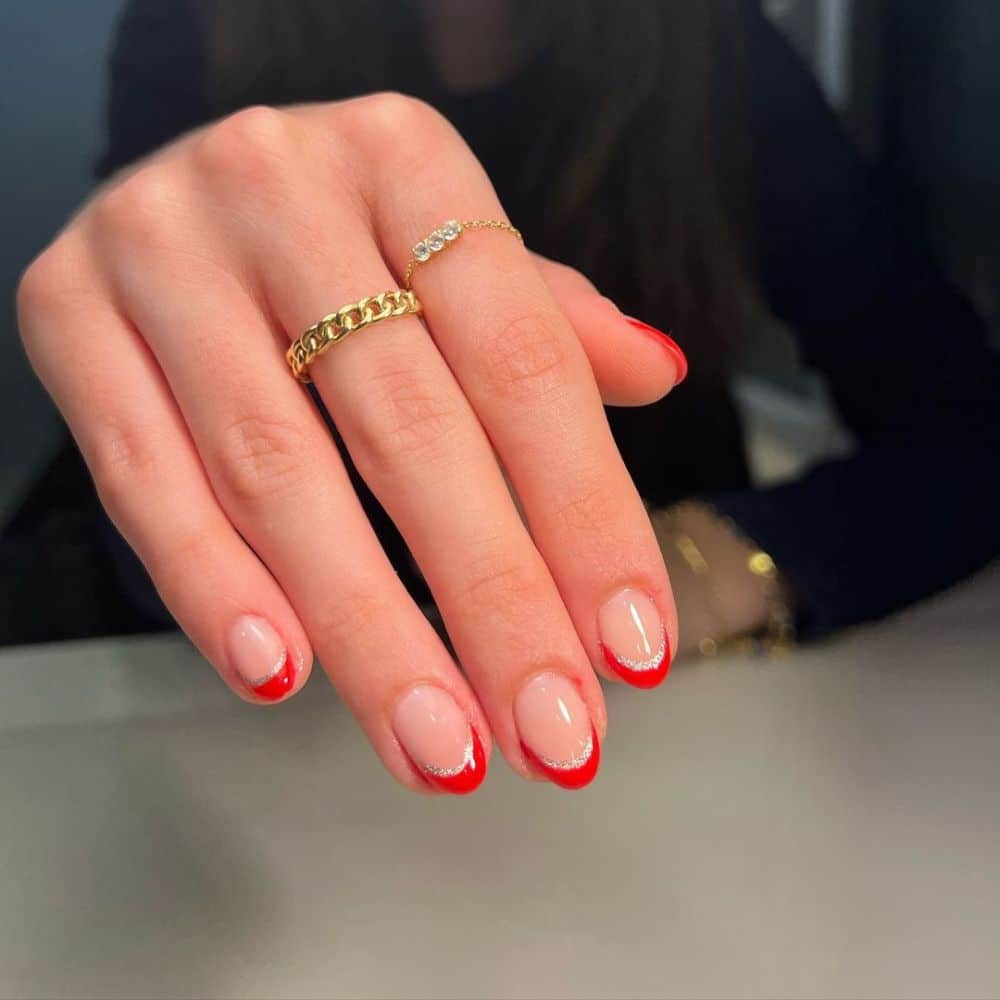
157, 80
915, 507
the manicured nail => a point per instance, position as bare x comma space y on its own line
633, 639
261, 659
673, 348
556, 733
437, 737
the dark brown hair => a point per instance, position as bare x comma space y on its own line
643, 132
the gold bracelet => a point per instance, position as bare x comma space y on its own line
445, 235
777, 636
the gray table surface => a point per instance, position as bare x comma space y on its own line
828, 825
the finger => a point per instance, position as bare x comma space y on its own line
417, 443
634, 364
150, 480
528, 379
279, 479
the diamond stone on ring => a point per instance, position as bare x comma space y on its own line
450, 231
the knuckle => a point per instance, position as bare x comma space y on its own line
405, 419
58, 277
495, 580
252, 146
338, 623
123, 463
390, 111
37, 287
141, 210
172, 564
592, 510
376, 118
525, 358
259, 458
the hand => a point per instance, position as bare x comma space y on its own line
158, 321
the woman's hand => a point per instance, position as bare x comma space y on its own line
158, 320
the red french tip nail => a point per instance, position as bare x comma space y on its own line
468, 779
568, 777
648, 678
673, 348
279, 684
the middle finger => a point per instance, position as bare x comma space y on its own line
527, 377
418, 444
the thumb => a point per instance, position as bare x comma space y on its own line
634, 364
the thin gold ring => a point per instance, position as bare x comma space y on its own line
332, 329
445, 235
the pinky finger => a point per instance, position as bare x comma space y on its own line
152, 484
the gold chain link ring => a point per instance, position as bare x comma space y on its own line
330, 330
445, 235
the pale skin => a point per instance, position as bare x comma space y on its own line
740, 605
158, 321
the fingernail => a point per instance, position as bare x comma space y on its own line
633, 639
556, 733
261, 659
673, 348
437, 737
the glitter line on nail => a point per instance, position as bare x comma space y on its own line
461, 780
652, 662
273, 672
570, 774
450, 772
574, 762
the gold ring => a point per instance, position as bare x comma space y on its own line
330, 330
445, 235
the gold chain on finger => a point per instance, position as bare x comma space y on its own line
330, 330
445, 235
